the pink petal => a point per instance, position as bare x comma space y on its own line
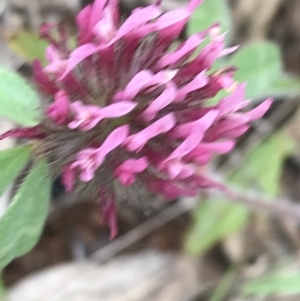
163, 100
226, 80
173, 164
52, 54
77, 56
172, 22
105, 29
86, 161
68, 177
86, 116
59, 109
163, 77
42, 79
190, 45
136, 20
127, 170
229, 128
57, 67
231, 102
208, 55
222, 147
229, 50
198, 126
114, 139
97, 12
198, 82
82, 22
180, 170
118, 109
108, 209
203, 152
137, 141
142, 80
87, 174
137, 83
186, 146
260, 110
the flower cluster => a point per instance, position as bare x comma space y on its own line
131, 104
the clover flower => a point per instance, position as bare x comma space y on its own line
128, 104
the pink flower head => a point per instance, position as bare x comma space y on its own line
129, 104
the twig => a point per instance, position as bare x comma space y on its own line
282, 208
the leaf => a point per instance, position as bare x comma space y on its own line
279, 283
263, 164
260, 65
3, 291
22, 223
18, 101
224, 286
12, 161
29, 45
214, 220
208, 13
284, 86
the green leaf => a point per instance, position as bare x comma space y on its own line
214, 220
12, 161
224, 286
278, 283
22, 223
3, 291
263, 164
284, 86
18, 101
29, 45
260, 65
208, 13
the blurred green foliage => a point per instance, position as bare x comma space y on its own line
23, 221
28, 45
18, 101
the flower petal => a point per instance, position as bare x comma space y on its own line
137, 141
198, 126
118, 109
77, 56
114, 139
136, 20
198, 82
59, 109
68, 177
163, 100
186, 48
127, 170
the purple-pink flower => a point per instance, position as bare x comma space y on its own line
127, 106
